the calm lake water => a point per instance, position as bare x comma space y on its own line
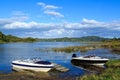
14, 51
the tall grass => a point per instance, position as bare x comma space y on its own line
111, 73
113, 46
74, 49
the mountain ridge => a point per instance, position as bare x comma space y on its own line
10, 38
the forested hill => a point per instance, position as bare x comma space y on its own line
9, 38
81, 39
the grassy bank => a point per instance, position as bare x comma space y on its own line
111, 73
113, 46
27, 76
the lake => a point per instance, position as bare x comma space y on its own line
14, 51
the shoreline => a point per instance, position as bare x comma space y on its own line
112, 71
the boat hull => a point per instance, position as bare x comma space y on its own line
43, 68
89, 62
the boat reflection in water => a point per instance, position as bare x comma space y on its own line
90, 68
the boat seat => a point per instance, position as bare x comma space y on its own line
43, 62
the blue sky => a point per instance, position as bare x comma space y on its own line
60, 18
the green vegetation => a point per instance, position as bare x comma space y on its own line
94, 41
9, 38
111, 73
113, 45
74, 49
81, 39
2, 38
25, 75
113, 63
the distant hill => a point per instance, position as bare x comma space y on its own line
93, 38
2, 38
10, 38
85, 39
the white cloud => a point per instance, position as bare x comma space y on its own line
50, 10
53, 13
29, 25
51, 7
15, 23
4, 21
17, 16
87, 21
58, 33
41, 4
54, 32
62, 29
34, 34
48, 7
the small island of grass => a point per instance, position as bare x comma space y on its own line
113, 45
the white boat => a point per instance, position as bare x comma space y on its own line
89, 60
33, 65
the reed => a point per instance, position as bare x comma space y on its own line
113, 46
74, 49
113, 63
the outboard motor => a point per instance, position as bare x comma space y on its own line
74, 55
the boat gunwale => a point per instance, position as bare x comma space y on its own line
37, 66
